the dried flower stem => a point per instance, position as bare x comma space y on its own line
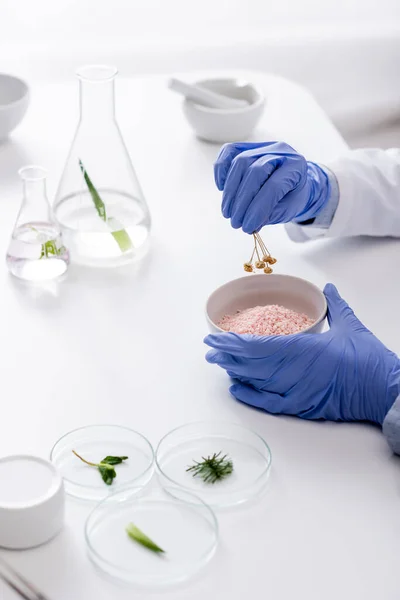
264, 258
263, 247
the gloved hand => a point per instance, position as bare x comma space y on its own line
344, 374
268, 183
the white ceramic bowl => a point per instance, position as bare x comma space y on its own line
14, 101
226, 125
259, 290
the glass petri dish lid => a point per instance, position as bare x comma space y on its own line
178, 522
94, 443
249, 453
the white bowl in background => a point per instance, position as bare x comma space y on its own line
226, 125
259, 290
14, 101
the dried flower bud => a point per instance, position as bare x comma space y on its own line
266, 257
248, 267
260, 264
267, 270
271, 260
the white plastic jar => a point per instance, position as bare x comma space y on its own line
31, 501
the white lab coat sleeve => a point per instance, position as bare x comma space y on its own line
391, 427
369, 197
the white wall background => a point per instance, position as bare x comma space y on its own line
85, 20
346, 51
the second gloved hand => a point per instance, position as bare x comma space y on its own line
344, 374
268, 183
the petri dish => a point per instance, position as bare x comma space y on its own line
94, 443
249, 453
178, 522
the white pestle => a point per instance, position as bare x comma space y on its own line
205, 97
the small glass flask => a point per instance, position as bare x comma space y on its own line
36, 251
99, 203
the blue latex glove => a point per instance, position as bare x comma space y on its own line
344, 374
268, 183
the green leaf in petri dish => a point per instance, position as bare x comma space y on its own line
212, 468
113, 460
108, 473
105, 466
141, 538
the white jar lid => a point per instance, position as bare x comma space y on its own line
31, 501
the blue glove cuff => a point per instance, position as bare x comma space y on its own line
319, 193
324, 218
391, 427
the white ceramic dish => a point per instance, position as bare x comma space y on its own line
14, 101
222, 125
259, 290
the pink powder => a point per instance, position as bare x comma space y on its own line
266, 320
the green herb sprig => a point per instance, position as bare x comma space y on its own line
49, 249
105, 466
213, 468
141, 538
121, 236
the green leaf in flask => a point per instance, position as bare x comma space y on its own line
120, 235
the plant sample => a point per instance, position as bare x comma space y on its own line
213, 468
121, 236
49, 249
264, 259
141, 538
105, 466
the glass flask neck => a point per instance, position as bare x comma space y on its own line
35, 205
34, 185
96, 93
34, 191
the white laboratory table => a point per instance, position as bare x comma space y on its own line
125, 346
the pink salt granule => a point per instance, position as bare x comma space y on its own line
266, 320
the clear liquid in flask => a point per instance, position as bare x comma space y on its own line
119, 238
36, 252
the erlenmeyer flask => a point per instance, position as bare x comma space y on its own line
36, 251
99, 203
